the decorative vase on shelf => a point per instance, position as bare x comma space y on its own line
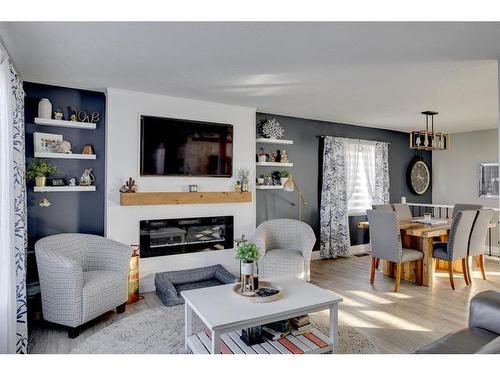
283, 180
45, 108
40, 181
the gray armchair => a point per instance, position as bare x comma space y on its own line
285, 247
81, 277
482, 336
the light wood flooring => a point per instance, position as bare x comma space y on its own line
395, 322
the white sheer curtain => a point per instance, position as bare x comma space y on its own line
352, 158
7, 256
368, 153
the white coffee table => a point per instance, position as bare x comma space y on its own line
224, 313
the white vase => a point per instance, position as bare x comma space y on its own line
45, 108
247, 268
283, 180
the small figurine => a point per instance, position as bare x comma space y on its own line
44, 203
273, 156
58, 115
63, 147
72, 117
278, 156
87, 178
261, 156
72, 182
284, 156
129, 187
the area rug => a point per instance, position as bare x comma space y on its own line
161, 330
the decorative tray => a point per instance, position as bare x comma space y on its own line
258, 299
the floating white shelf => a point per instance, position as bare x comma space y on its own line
49, 189
56, 155
274, 141
64, 123
269, 187
273, 164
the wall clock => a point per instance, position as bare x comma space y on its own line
418, 176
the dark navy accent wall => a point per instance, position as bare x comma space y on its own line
70, 211
306, 154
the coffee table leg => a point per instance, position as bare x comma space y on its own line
215, 342
188, 323
334, 327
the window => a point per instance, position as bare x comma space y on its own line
360, 170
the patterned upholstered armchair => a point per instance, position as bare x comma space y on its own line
286, 247
81, 277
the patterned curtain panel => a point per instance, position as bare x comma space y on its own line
334, 236
381, 194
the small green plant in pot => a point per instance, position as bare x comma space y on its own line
248, 254
38, 170
284, 175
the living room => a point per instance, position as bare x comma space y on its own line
250, 188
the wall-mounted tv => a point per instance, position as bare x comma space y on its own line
174, 147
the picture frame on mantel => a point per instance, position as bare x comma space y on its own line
488, 180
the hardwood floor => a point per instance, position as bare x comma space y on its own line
395, 322
405, 321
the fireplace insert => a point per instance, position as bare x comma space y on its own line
185, 235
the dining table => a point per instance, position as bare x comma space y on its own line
421, 236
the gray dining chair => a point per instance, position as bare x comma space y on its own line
385, 241
457, 246
465, 206
382, 207
477, 241
402, 211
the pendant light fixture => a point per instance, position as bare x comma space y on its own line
428, 139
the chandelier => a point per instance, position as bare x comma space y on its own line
429, 140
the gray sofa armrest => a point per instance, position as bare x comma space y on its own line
484, 311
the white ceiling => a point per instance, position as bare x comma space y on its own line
371, 74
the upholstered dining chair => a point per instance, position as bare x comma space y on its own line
285, 247
382, 207
82, 276
402, 211
385, 241
477, 241
465, 206
457, 246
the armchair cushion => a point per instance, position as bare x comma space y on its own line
282, 262
440, 251
409, 255
102, 291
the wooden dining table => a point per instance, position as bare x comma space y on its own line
419, 236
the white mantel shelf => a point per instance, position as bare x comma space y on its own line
274, 141
53, 189
272, 164
65, 123
56, 155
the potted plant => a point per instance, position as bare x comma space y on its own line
284, 175
38, 170
243, 174
248, 254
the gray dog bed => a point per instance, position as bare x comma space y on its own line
169, 285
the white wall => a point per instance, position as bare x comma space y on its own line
456, 171
122, 153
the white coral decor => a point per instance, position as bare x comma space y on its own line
272, 129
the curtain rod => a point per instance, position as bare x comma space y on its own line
359, 140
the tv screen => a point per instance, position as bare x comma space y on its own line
173, 147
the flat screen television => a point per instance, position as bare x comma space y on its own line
173, 147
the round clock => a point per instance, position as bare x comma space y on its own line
418, 176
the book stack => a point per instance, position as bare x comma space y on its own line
300, 325
277, 330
